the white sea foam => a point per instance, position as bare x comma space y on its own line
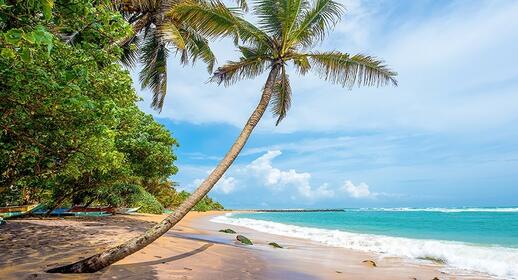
497, 261
438, 209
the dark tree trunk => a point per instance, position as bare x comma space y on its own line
112, 255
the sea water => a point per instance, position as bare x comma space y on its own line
474, 239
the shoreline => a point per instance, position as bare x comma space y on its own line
301, 255
194, 249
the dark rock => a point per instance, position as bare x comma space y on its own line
244, 240
369, 263
274, 245
227, 230
434, 259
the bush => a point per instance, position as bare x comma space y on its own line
147, 203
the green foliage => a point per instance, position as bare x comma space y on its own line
156, 34
206, 204
70, 126
147, 203
163, 191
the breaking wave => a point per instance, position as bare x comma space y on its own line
493, 260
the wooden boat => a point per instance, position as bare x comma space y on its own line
126, 210
56, 212
14, 211
91, 214
76, 209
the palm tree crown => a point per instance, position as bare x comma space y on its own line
154, 37
285, 32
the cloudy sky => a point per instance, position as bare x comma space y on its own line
447, 136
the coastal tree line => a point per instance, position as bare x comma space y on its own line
81, 52
71, 131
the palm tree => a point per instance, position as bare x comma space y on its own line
157, 32
285, 29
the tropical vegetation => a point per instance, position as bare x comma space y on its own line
287, 31
71, 131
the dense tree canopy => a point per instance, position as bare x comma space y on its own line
70, 125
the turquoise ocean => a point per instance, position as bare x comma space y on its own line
475, 239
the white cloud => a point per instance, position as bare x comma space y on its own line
278, 179
225, 184
357, 191
262, 172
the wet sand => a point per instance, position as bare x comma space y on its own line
194, 249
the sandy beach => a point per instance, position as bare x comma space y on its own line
194, 249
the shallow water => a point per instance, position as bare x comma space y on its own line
477, 239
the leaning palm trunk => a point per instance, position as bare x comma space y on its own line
110, 256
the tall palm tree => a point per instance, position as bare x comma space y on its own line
285, 30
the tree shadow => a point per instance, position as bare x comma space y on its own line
166, 260
31, 246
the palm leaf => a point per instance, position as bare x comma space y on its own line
234, 71
154, 73
214, 20
289, 15
242, 4
281, 96
302, 64
130, 52
170, 33
316, 22
197, 47
347, 70
267, 12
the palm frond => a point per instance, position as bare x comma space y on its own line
243, 4
281, 96
154, 73
170, 32
130, 44
268, 15
347, 70
289, 15
234, 71
211, 19
197, 47
316, 22
138, 5
214, 20
301, 64
130, 52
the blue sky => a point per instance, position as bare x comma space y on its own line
445, 137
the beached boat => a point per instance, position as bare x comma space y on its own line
125, 211
56, 212
76, 209
14, 211
91, 214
